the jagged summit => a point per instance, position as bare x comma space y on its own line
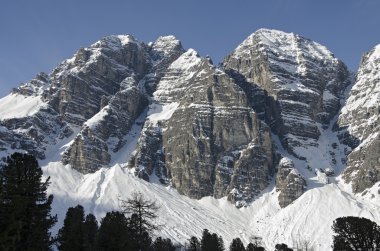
164, 42
303, 79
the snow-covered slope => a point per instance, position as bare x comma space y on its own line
308, 219
19, 106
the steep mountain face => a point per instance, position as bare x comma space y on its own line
289, 182
104, 133
99, 92
203, 135
264, 131
203, 130
296, 84
27, 123
359, 124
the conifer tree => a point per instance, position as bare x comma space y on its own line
250, 247
90, 232
71, 235
211, 242
113, 233
237, 245
25, 217
354, 233
161, 244
194, 244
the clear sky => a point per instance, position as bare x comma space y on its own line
38, 34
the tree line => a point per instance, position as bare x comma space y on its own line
26, 220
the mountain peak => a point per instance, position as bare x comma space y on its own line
284, 43
170, 39
187, 60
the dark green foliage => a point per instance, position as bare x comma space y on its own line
113, 232
163, 245
77, 233
194, 244
90, 232
211, 242
144, 242
354, 233
71, 235
250, 247
282, 247
25, 217
237, 245
253, 247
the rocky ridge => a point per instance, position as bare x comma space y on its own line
359, 124
211, 141
300, 82
208, 131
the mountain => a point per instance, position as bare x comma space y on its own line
275, 142
359, 124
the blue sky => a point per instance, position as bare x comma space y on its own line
36, 35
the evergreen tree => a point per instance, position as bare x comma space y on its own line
163, 245
71, 235
144, 242
354, 233
250, 247
253, 247
219, 242
282, 247
211, 242
194, 244
25, 217
237, 245
90, 232
113, 233
206, 241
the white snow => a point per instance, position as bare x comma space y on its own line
184, 66
285, 161
126, 39
123, 155
308, 218
94, 121
158, 112
19, 106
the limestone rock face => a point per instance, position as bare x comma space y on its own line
172, 116
98, 94
29, 124
289, 182
302, 81
104, 133
213, 143
359, 124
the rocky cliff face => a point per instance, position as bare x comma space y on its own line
104, 133
289, 182
211, 141
27, 123
204, 130
359, 124
300, 80
99, 92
